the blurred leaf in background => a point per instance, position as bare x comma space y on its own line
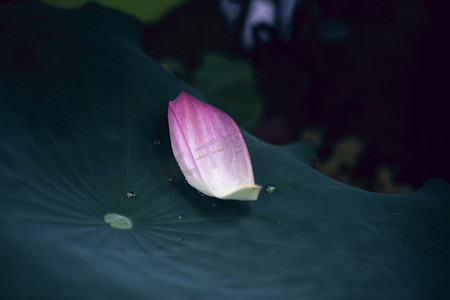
176, 66
144, 10
230, 84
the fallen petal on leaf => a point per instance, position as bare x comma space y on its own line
210, 150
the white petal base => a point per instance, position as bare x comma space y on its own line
247, 193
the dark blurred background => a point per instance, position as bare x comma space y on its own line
366, 81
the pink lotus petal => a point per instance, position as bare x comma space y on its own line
210, 150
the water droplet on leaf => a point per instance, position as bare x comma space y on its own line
270, 189
130, 195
